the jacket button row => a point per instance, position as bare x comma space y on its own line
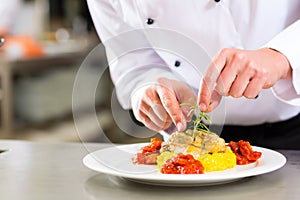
177, 63
150, 21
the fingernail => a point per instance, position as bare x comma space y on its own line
202, 107
180, 126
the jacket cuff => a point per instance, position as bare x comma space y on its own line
286, 43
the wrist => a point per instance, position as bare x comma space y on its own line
282, 63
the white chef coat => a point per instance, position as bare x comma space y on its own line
147, 39
8, 12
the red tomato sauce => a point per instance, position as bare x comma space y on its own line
155, 145
149, 153
244, 153
182, 164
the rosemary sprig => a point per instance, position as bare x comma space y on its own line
200, 116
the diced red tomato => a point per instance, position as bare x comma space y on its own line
149, 153
155, 144
244, 153
182, 164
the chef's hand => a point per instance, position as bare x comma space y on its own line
238, 73
160, 105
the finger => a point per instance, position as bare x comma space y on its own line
171, 105
183, 95
187, 96
209, 80
148, 122
187, 112
152, 100
238, 87
154, 111
215, 101
229, 74
225, 82
254, 87
151, 120
159, 119
241, 82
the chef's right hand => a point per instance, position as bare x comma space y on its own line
160, 105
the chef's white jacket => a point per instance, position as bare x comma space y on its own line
147, 39
8, 12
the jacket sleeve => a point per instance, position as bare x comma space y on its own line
287, 42
132, 62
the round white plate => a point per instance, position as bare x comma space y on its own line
117, 161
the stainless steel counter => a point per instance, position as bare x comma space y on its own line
32, 170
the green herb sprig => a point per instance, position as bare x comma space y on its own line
200, 116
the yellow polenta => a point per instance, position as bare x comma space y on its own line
218, 161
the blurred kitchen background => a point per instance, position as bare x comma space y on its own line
47, 43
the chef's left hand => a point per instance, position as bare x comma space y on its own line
238, 73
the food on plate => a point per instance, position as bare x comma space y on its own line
180, 153
182, 164
149, 153
244, 153
187, 158
197, 143
196, 151
163, 157
209, 149
218, 161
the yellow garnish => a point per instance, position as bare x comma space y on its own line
218, 161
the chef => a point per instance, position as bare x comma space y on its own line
236, 60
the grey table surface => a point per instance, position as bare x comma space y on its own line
35, 170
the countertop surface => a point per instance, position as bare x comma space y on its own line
35, 170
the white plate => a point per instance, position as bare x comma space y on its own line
117, 161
